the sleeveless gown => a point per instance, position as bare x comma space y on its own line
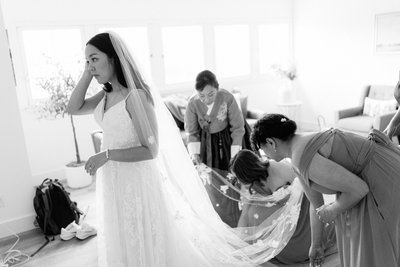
135, 228
368, 234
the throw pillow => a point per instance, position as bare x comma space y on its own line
374, 107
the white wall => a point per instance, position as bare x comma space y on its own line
16, 189
334, 52
141, 10
49, 143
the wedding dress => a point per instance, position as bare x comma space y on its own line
157, 213
136, 228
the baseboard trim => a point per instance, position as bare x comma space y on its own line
16, 226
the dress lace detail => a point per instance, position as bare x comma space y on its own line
133, 234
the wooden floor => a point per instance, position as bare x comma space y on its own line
76, 253
59, 253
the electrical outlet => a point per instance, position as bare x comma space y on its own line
2, 205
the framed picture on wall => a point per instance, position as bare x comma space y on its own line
387, 33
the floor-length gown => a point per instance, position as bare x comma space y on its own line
296, 250
368, 234
134, 226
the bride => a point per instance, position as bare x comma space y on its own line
153, 209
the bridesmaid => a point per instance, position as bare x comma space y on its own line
364, 173
263, 178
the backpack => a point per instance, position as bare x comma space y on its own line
54, 208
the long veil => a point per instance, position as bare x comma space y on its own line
187, 199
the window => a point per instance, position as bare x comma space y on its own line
137, 41
48, 51
274, 45
232, 50
183, 49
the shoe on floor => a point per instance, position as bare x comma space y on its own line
85, 231
70, 231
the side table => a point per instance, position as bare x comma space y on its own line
291, 110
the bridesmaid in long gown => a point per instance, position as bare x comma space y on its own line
263, 177
364, 173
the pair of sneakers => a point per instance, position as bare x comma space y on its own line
80, 231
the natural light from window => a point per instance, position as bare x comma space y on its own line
137, 40
274, 45
47, 51
183, 49
232, 50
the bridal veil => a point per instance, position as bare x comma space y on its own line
186, 198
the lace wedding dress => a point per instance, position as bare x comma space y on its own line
135, 225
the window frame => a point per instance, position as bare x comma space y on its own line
155, 42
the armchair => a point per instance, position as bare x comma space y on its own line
360, 120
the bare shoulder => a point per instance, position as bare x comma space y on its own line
280, 174
300, 142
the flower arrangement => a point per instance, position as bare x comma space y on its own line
288, 72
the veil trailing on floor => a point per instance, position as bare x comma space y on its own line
187, 199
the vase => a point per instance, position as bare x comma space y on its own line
287, 94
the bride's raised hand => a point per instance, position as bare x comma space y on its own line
87, 70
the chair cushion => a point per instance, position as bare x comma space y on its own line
357, 123
177, 104
241, 100
374, 107
381, 92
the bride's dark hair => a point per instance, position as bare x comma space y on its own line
248, 168
102, 42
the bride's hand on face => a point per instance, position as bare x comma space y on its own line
87, 70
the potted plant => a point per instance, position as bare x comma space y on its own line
59, 87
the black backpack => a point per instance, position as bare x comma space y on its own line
54, 208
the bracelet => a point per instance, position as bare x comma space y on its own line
108, 154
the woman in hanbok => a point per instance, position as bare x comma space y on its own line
215, 127
362, 172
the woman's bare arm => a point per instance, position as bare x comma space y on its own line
78, 104
331, 175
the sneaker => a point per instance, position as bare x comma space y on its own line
70, 231
85, 231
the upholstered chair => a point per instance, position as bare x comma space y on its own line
376, 108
